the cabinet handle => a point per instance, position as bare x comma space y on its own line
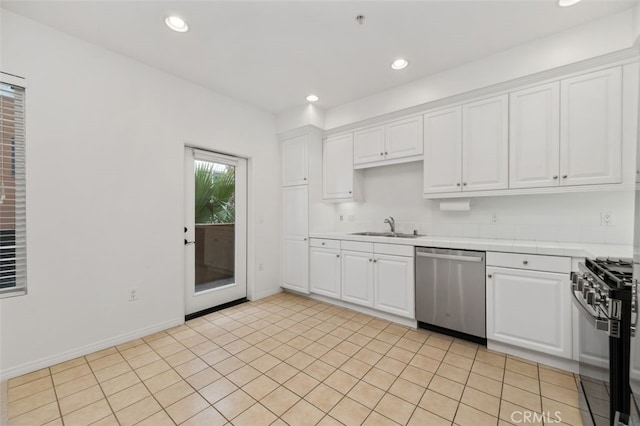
458, 184
564, 176
385, 153
305, 239
375, 260
337, 255
555, 177
370, 260
464, 183
305, 178
323, 243
350, 192
382, 153
490, 276
525, 262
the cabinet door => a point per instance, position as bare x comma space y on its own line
295, 218
294, 160
394, 284
404, 138
485, 144
368, 145
443, 151
534, 137
337, 167
295, 264
357, 277
530, 309
324, 272
591, 128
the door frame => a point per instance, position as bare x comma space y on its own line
249, 239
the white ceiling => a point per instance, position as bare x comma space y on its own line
273, 53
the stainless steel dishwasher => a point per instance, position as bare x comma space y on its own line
450, 292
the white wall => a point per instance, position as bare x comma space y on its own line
105, 137
572, 217
596, 38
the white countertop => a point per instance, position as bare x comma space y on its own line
551, 248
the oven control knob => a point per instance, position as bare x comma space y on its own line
591, 297
580, 284
604, 300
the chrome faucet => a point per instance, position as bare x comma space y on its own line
392, 223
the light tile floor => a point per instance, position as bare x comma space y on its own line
292, 360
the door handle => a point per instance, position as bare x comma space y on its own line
450, 257
186, 243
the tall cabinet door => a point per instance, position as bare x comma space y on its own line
442, 151
534, 137
368, 145
294, 160
357, 277
295, 230
485, 144
591, 128
337, 167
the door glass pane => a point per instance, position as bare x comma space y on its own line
215, 225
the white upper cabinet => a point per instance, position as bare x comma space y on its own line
368, 145
404, 138
591, 128
485, 144
388, 143
337, 168
294, 160
534, 137
442, 150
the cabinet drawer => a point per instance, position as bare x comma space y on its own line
357, 246
393, 249
531, 262
324, 243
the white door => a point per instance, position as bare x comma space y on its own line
337, 167
534, 137
591, 128
368, 145
294, 160
394, 285
443, 151
357, 277
295, 223
404, 138
515, 296
324, 272
215, 229
485, 144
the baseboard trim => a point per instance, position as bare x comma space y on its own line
539, 357
28, 367
215, 309
267, 293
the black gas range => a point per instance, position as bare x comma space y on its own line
604, 293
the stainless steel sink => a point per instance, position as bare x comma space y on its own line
387, 234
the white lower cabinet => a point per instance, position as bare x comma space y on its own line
357, 277
530, 309
324, 272
393, 285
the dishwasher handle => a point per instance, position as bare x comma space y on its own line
450, 257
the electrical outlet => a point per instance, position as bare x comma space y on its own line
260, 266
494, 218
133, 294
341, 218
605, 219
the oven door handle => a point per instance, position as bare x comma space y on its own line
597, 323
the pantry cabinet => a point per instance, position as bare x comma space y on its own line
295, 238
516, 293
534, 137
400, 139
339, 181
295, 153
591, 128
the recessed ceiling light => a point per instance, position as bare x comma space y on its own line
176, 24
313, 98
567, 3
399, 64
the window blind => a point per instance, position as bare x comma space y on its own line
13, 231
